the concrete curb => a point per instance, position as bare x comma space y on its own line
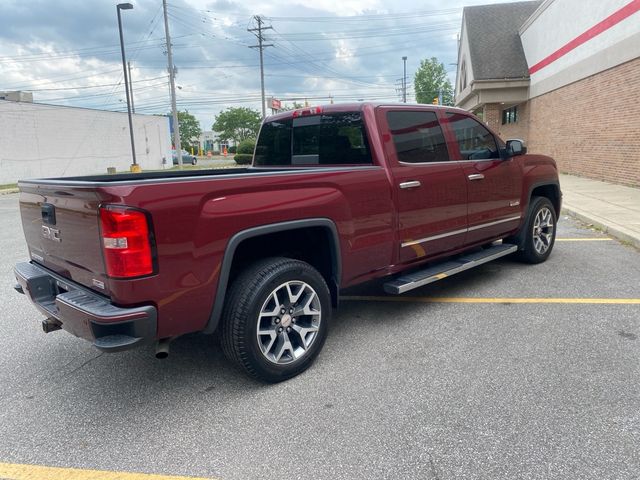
613, 231
9, 190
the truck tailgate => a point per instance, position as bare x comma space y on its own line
61, 226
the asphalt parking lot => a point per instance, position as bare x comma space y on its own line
507, 371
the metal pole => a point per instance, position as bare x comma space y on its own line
261, 65
404, 80
126, 85
133, 107
172, 84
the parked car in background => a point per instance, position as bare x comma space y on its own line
186, 158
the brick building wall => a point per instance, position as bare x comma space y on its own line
592, 127
520, 129
491, 115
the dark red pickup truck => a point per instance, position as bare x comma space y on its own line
336, 196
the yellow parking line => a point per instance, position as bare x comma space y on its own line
596, 301
15, 471
594, 239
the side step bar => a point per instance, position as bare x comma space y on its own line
447, 268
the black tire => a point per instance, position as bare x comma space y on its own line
250, 295
193, 161
534, 239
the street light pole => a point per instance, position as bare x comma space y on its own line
127, 6
404, 80
133, 104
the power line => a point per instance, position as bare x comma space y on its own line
84, 87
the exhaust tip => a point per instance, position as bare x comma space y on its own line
162, 348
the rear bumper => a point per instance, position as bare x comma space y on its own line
84, 313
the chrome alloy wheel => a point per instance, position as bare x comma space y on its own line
543, 230
288, 322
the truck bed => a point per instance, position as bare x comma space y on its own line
167, 175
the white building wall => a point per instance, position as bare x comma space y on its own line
464, 57
40, 141
556, 23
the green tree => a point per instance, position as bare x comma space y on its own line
430, 80
190, 130
295, 106
237, 124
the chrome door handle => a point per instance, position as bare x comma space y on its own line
476, 176
411, 184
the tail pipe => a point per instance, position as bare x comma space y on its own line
162, 348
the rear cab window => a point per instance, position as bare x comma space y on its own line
327, 139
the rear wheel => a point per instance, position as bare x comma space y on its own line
540, 231
276, 318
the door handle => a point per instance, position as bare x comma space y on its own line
476, 176
411, 184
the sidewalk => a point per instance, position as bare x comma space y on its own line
613, 208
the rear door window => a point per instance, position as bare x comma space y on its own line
417, 137
333, 139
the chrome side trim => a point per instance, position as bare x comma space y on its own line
497, 222
435, 237
458, 232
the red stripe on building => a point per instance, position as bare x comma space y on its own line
597, 29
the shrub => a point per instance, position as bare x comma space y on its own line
232, 149
243, 158
247, 146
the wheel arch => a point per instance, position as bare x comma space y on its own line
242, 242
549, 189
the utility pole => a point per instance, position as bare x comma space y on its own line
172, 85
404, 80
261, 46
133, 107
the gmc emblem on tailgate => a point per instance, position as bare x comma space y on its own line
51, 233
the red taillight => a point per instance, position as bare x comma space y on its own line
126, 242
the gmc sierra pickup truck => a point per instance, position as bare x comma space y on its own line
336, 196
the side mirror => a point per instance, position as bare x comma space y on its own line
516, 147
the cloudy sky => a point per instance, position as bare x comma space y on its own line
67, 52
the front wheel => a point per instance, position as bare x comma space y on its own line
540, 231
276, 318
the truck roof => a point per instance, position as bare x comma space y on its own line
354, 107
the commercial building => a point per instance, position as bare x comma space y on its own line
39, 140
564, 75
210, 142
